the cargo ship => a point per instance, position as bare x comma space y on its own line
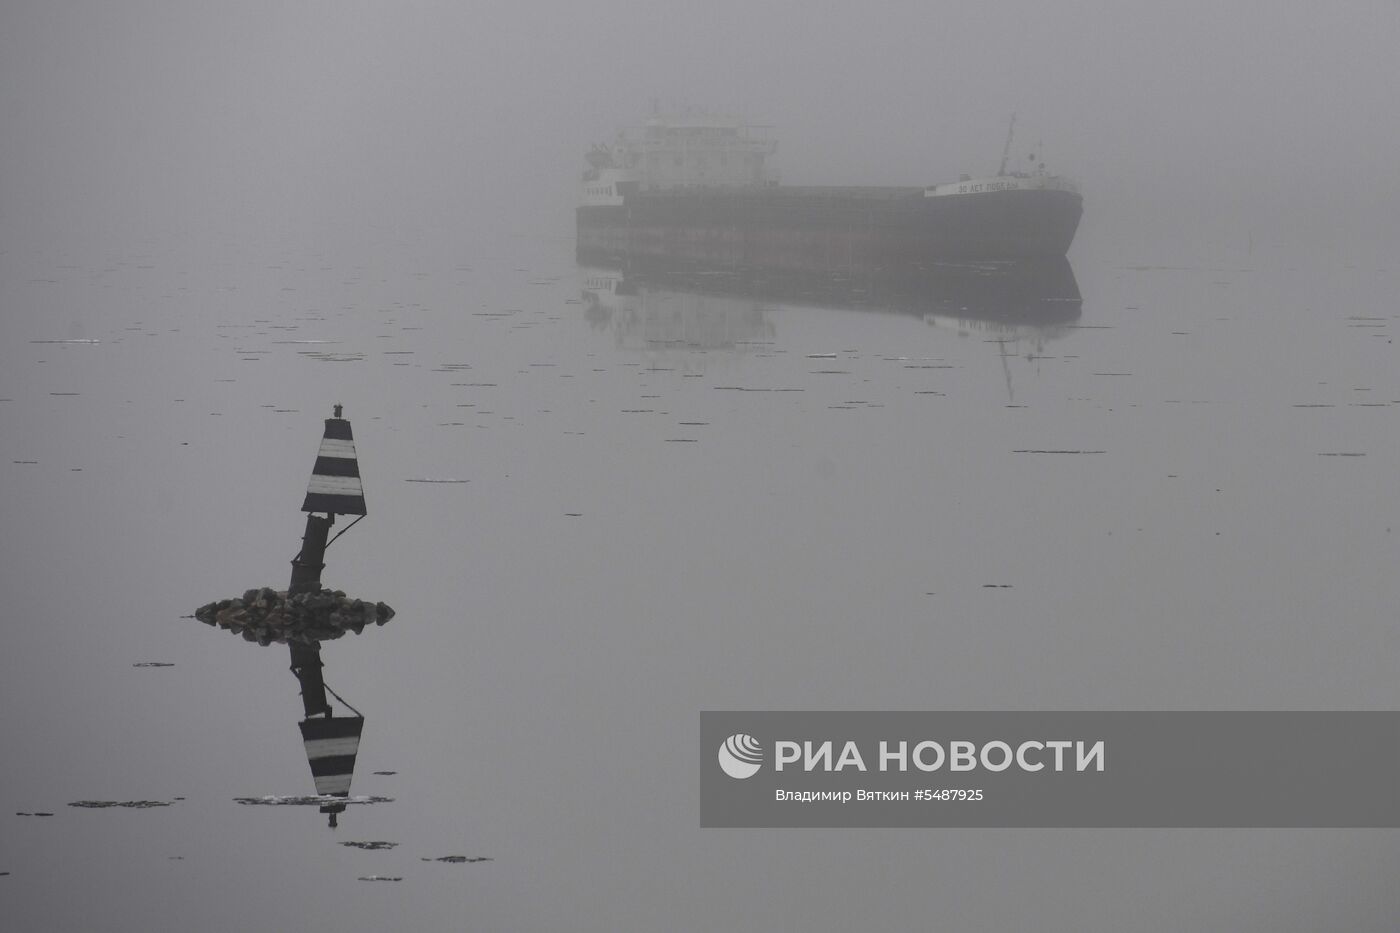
699, 190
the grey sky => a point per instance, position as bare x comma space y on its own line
210, 115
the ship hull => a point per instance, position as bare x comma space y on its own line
812, 229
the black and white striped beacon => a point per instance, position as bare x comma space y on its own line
335, 480
331, 743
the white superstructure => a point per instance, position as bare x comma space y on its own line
605, 186
689, 150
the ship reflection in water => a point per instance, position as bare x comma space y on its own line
654, 307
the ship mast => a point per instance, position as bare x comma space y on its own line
1006, 150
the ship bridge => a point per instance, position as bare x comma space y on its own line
698, 150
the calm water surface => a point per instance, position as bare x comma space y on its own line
673, 496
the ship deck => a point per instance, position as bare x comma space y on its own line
780, 192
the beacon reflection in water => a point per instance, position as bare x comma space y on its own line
656, 307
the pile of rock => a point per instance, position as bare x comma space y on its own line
266, 615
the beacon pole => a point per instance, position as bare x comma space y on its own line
306, 578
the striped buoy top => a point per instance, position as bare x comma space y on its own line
335, 480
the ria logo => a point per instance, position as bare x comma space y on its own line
740, 756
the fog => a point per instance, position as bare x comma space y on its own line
255, 118
219, 219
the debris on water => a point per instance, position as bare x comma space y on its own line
129, 804
385, 773
327, 356
1343, 453
458, 859
427, 480
374, 846
996, 586
1059, 451
153, 664
266, 615
381, 878
35, 813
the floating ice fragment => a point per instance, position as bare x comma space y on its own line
313, 800
459, 859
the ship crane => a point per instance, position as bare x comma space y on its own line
1006, 150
